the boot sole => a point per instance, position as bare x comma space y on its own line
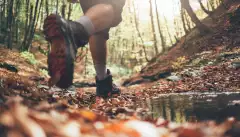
60, 61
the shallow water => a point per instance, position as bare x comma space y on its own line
196, 106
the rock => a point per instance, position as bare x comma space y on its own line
71, 89
210, 63
236, 65
174, 78
164, 74
191, 73
230, 55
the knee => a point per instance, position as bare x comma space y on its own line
108, 9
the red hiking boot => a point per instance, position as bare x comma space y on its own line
65, 38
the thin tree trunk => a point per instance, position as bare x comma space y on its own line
38, 15
1, 17
159, 28
42, 18
212, 4
201, 27
4, 14
57, 7
18, 7
10, 21
63, 9
32, 26
4, 9
133, 42
153, 28
138, 32
169, 35
208, 6
46, 7
3, 21
69, 11
183, 21
210, 13
26, 23
188, 22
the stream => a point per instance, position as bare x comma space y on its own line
195, 107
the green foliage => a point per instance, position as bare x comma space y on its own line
29, 57
38, 37
44, 72
149, 44
116, 70
90, 71
119, 70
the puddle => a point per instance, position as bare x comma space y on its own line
193, 107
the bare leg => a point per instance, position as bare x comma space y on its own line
99, 56
98, 50
101, 15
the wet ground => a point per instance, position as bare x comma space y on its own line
195, 107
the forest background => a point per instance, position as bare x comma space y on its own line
149, 28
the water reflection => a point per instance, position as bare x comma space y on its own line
196, 107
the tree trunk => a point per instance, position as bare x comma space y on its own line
138, 32
159, 28
208, 6
1, 17
34, 22
153, 28
69, 11
63, 9
201, 27
27, 26
46, 7
183, 21
42, 19
188, 22
210, 13
57, 7
169, 35
10, 20
16, 20
4, 25
211, 4
38, 15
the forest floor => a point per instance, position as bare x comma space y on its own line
207, 63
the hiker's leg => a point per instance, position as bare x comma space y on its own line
97, 18
104, 82
101, 15
98, 50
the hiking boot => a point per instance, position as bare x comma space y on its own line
106, 88
65, 38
